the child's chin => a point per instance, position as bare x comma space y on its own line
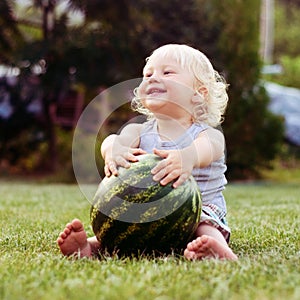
153, 102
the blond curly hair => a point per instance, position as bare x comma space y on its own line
208, 109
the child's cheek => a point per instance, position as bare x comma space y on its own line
142, 90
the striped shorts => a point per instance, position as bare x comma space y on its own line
213, 215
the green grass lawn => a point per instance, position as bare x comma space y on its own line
265, 234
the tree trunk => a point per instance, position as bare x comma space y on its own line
267, 31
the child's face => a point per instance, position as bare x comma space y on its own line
167, 88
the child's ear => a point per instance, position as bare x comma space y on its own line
198, 98
203, 91
200, 94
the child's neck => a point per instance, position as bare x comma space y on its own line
172, 128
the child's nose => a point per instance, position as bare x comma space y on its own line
154, 77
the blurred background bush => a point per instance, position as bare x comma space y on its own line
57, 55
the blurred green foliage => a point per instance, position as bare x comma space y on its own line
287, 33
286, 43
253, 134
111, 43
290, 75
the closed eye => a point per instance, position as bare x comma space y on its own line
167, 72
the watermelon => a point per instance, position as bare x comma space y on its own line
132, 214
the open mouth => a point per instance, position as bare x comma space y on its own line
155, 90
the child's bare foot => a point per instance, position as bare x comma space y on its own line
208, 247
73, 240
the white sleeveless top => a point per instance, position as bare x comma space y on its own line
211, 179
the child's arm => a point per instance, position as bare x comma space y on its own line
208, 147
178, 164
119, 150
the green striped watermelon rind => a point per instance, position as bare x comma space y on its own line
130, 206
145, 229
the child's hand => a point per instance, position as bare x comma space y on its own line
175, 165
121, 158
